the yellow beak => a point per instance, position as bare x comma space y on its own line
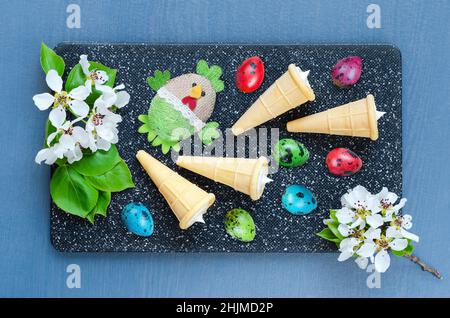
196, 91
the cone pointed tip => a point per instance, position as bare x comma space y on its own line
289, 126
141, 154
179, 161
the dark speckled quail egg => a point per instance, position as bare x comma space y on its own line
343, 162
239, 225
290, 153
137, 219
297, 199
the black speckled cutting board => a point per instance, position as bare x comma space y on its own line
276, 229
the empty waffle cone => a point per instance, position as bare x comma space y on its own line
288, 92
357, 119
186, 200
245, 175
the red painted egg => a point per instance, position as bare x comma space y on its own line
250, 74
343, 162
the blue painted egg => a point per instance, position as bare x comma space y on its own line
137, 219
298, 199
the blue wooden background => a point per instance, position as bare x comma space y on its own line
29, 266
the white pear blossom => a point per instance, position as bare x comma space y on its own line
359, 207
386, 201
377, 250
371, 225
62, 100
48, 155
399, 226
94, 77
353, 239
71, 140
114, 96
345, 230
102, 126
347, 248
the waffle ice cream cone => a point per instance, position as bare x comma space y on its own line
186, 200
289, 91
357, 119
245, 175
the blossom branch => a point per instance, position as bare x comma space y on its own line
424, 266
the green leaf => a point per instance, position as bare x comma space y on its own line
398, 253
333, 216
61, 162
71, 192
115, 180
75, 78
407, 250
159, 79
104, 199
410, 248
91, 217
51, 61
328, 235
97, 163
109, 71
333, 226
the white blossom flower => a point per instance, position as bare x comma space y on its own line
48, 155
370, 226
359, 207
347, 248
379, 247
95, 77
382, 261
345, 230
61, 100
387, 204
399, 226
352, 242
114, 96
71, 140
102, 126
